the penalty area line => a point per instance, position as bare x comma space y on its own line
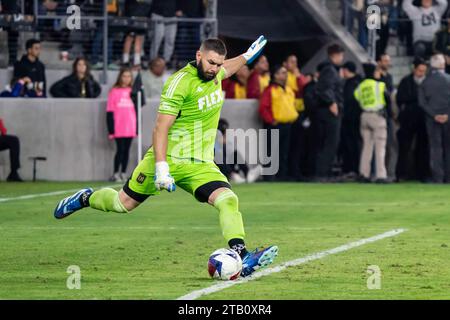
265, 272
47, 194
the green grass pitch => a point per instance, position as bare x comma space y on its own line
160, 250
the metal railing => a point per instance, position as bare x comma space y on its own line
100, 35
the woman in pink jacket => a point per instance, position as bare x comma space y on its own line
121, 120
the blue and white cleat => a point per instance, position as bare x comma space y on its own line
258, 259
69, 205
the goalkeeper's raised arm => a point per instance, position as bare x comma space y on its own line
231, 66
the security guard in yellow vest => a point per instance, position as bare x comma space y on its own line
374, 101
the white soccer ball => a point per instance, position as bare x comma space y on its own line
224, 264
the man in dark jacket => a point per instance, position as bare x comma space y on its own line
350, 147
329, 91
434, 98
79, 84
30, 66
412, 126
310, 101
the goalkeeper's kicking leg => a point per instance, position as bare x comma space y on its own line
106, 199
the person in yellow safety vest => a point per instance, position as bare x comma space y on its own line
374, 101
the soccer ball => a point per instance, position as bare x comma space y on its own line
224, 264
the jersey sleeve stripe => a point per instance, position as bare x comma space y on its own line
175, 84
174, 80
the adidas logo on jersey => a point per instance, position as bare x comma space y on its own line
199, 89
210, 100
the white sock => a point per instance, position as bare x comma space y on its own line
126, 58
137, 58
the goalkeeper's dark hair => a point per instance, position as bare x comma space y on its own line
214, 44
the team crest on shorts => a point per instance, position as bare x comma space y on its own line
141, 178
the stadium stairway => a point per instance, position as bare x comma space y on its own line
331, 12
328, 14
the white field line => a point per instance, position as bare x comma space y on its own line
265, 272
47, 194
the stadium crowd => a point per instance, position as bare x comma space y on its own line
417, 23
334, 125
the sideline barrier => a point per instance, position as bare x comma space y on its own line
72, 135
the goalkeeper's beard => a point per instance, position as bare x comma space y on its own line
202, 74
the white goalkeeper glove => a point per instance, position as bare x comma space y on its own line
163, 179
255, 49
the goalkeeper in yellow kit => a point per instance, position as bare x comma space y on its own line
183, 151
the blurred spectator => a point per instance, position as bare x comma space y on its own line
135, 8
79, 84
329, 94
121, 121
48, 7
259, 78
296, 80
162, 9
237, 171
9, 7
30, 66
384, 31
441, 42
277, 109
235, 87
434, 98
374, 101
153, 80
412, 126
19, 88
310, 101
405, 28
97, 44
426, 21
189, 30
73, 40
13, 144
297, 150
350, 146
384, 65
355, 9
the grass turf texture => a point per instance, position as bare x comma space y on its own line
160, 250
